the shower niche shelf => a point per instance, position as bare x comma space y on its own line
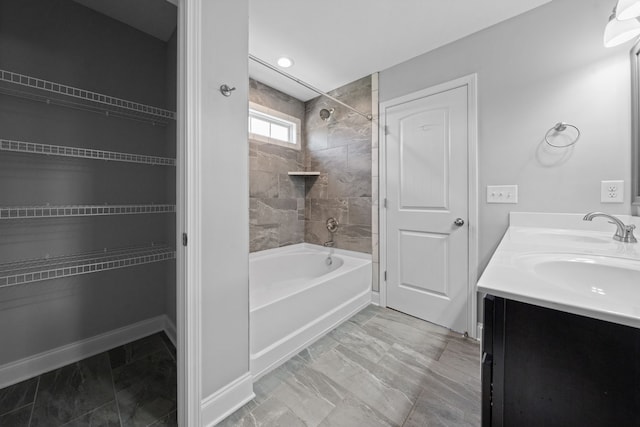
82, 153
31, 212
37, 89
28, 271
303, 173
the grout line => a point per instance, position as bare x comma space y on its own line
157, 420
153, 423
369, 319
16, 409
411, 410
35, 396
115, 394
444, 348
88, 412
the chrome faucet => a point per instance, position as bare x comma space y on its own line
624, 233
332, 226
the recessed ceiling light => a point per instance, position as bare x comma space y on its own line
285, 62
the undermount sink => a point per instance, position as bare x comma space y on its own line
612, 278
562, 262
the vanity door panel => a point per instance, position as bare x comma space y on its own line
561, 369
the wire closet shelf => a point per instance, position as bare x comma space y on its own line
31, 212
28, 271
37, 89
82, 153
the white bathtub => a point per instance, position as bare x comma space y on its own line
296, 298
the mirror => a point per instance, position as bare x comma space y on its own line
635, 122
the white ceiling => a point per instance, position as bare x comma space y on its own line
334, 42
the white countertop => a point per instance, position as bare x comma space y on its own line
537, 257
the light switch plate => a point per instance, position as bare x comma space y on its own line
612, 191
502, 194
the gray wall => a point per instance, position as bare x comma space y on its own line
340, 149
534, 70
223, 190
65, 42
276, 209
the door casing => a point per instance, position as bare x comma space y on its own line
189, 259
472, 165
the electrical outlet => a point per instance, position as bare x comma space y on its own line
611, 191
502, 194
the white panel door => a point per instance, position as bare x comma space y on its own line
427, 203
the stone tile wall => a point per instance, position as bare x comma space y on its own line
287, 210
276, 200
375, 185
341, 150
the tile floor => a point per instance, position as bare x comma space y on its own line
132, 385
381, 368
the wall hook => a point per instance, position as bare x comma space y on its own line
226, 90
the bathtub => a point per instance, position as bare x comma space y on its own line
296, 298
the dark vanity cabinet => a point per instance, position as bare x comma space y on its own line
544, 368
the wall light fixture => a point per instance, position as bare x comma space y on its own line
628, 9
618, 32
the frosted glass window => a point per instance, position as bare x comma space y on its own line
279, 132
259, 127
271, 127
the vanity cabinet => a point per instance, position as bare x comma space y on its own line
545, 367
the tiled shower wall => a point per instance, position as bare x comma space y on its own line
287, 210
375, 184
276, 200
340, 149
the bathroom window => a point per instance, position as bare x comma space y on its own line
268, 125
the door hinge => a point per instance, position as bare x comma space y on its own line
385, 275
384, 203
184, 239
386, 130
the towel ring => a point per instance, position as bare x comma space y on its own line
561, 127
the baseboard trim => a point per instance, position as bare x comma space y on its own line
170, 330
375, 298
29, 367
227, 400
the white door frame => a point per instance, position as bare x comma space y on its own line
189, 258
472, 105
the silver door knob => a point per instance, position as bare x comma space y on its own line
459, 222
